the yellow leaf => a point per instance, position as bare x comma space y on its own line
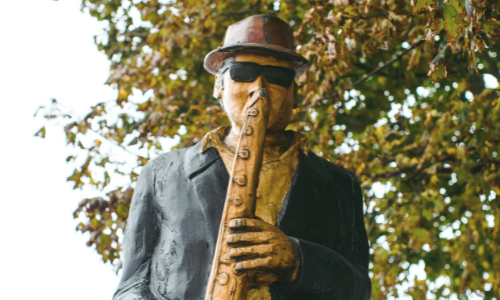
360, 168
436, 75
491, 28
460, 152
414, 161
421, 5
459, 6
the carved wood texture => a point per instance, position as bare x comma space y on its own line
224, 282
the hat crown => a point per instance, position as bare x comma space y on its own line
260, 29
261, 35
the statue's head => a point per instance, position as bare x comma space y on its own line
258, 52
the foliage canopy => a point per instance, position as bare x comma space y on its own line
395, 92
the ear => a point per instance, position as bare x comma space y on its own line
295, 95
217, 87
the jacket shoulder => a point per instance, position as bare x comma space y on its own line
333, 170
168, 159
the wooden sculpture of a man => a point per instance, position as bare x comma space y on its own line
306, 238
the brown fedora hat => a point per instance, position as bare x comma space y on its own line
260, 34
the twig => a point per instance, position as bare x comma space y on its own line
365, 17
245, 12
395, 172
115, 143
329, 97
399, 56
367, 76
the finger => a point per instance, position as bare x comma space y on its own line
247, 224
248, 237
254, 264
259, 250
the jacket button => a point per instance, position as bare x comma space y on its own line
248, 130
223, 278
245, 154
253, 113
241, 180
236, 200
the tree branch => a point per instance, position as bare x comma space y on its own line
367, 76
115, 143
365, 17
236, 13
395, 172
398, 57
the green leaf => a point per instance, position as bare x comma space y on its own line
459, 6
437, 71
107, 179
492, 28
40, 133
486, 38
122, 210
382, 254
453, 25
421, 5
421, 236
134, 141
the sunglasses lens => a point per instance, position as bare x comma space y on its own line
248, 72
244, 71
280, 76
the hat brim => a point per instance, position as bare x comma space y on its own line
215, 59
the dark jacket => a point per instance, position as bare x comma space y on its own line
175, 216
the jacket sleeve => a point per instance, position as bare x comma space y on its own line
327, 274
140, 241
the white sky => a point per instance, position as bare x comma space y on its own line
47, 51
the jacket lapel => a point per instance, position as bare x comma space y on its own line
299, 213
300, 207
209, 179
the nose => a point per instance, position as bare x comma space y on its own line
256, 86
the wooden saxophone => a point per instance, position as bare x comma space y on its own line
224, 282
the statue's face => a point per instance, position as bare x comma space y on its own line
236, 94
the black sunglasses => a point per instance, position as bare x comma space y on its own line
249, 71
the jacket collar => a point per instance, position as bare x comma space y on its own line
209, 187
197, 161
310, 181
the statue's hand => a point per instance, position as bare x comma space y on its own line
262, 247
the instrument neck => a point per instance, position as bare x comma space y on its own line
275, 144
